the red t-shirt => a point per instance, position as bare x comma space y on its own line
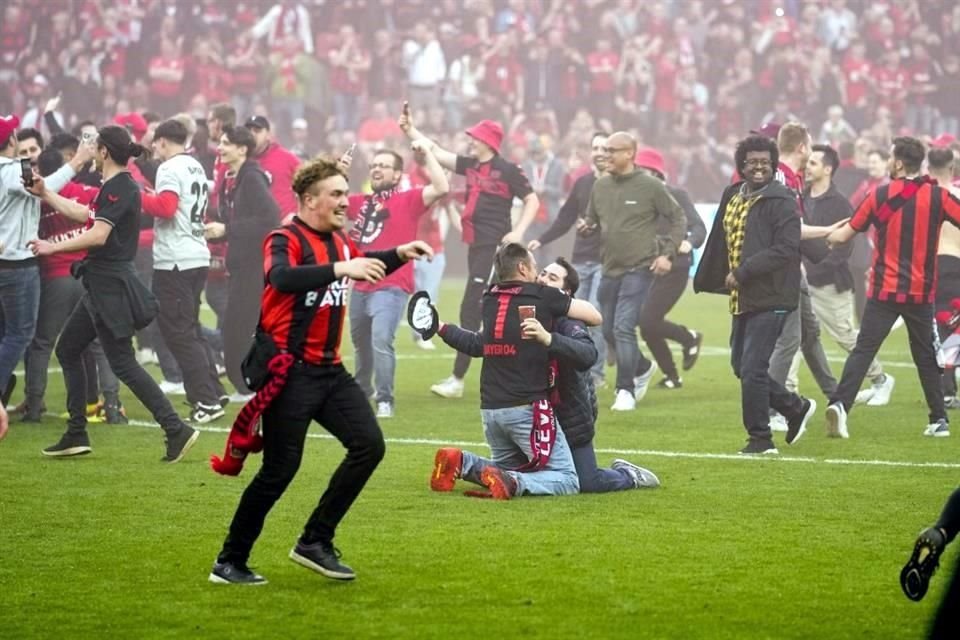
383, 223
857, 74
501, 75
165, 88
892, 87
280, 164
603, 66
56, 227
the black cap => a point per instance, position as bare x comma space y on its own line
257, 122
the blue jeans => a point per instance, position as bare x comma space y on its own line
507, 432
594, 479
374, 318
589, 273
752, 339
428, 274
621, 300
19, 306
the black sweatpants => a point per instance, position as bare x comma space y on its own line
654, 327
333, 398
878, 319
178, 293
80, 330
947, 622
479, 264
244, 290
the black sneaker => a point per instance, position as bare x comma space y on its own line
71, 444
32, 415
114, 414
916, 574
691, 353
234, 573
765, 448
180, 444
670, 383
323, 558
8, 392
798, 426
204, 413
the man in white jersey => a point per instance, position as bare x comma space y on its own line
180, 262
940, 164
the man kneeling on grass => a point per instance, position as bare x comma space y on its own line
530, 455
572, 393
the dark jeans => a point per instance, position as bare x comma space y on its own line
243, 310
58, 298
654, 327
332, 397
81, 329
19, 305
479, 264
878, 319
596, 480
621, 300
178, 293
752, 339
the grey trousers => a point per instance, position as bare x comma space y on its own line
801, 332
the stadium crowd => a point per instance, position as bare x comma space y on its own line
687, 76
161, 150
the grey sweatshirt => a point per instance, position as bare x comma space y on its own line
20, 209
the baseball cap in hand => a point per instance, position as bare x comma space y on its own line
257, 122
422, 315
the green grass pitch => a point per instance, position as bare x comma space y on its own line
116, 544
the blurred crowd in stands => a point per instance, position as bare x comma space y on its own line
689, 76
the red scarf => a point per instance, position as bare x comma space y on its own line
244, 438
543, 435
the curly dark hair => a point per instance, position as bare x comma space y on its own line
314, 171
756, 143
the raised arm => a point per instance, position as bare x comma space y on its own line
447, 159
439, 185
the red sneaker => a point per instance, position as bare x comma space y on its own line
502, 486
446, 469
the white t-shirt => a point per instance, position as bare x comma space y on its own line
179, 241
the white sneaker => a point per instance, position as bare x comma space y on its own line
452, 387
642, 478
624, 401
882, 391
172, 388
938, 429
147, 356
384, 410
865, 395
837, 421
426, 345
778, 422
642, 382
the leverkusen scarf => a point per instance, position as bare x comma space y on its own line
244, 438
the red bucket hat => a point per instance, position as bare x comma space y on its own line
649, 158
134, 123
8, 126
488, 132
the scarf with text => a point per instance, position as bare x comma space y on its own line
368, 211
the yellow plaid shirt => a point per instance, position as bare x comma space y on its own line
735, 228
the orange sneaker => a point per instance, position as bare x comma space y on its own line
502, 486
446, 469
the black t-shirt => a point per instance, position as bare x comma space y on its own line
491, 188
118, 204
516, 371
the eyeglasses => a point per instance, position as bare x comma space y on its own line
380, 165
615, 149
757, 163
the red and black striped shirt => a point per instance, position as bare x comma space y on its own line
907, 215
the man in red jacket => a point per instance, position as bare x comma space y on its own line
277, 162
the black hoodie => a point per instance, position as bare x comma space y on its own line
249, 212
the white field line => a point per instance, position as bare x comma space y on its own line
705, 351
433, 442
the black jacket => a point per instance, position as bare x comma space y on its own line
576, 354
825, 267
586, 248
249, 212
696, 231
769, 271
